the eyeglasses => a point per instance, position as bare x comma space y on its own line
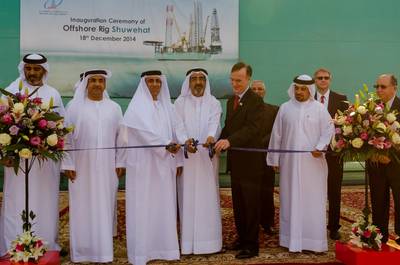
380, 86
323, 77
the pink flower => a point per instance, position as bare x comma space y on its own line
378, 142
21, 97
340, 143
387, 145
3, 108
35, 141
38, 244
7, 119
349, 119
14, 130
51, 124
354, 230
42, 124
364, 136
60, 143
338, 131
367, 234
32, 112
19, 247
37, 101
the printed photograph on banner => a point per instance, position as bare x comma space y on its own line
131, 36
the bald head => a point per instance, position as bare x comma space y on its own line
386, 87
258, 87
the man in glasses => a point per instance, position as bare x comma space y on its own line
385, 173
333, 102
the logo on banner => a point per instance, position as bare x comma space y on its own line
52, 4
51, 8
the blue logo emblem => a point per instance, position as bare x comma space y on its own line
52, 4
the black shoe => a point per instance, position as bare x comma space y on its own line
334, 235
246, 254
235, 246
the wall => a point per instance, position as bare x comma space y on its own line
356, 39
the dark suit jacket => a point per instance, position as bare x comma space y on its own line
336, 102
396, 106
268, 118
243, 129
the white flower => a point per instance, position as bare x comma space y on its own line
45, 105
18, 108
396, 138
395, 125
25, 153
390, 117
347, 129
362, 110
5, 139
52, 139
378, 110
381, 126
357, 142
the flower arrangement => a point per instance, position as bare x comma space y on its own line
366, 130
364, 234
29, 128
27, 247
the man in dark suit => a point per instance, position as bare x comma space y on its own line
268, 181
333, 102
384, 172
242, 130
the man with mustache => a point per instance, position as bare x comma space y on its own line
302, 124
44, 178
198, 193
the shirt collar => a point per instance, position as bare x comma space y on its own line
326, 95
390, 102
244, 92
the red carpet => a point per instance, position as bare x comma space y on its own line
270, 251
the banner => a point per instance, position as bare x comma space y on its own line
132, 36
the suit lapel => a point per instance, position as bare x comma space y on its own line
395, 104
332, 103
239, 109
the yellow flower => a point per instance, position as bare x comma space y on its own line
347, 129
362, 110
18, 108
25, 153
52, 140
390, 117
381, 126
339, 120
357, 142
5, 139
396, 138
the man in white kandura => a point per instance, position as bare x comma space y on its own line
44, 179
93, 174
302, 124
198, 192
151, 201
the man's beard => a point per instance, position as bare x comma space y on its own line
198, 91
